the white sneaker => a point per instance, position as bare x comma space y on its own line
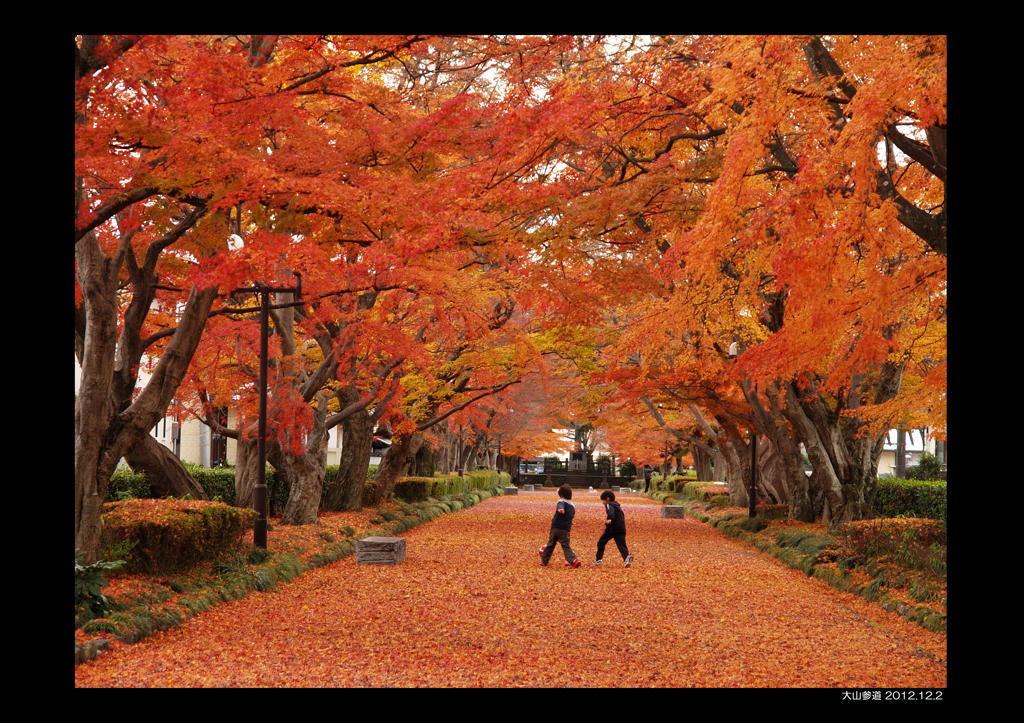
628, 561
598, 562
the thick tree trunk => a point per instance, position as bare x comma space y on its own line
702, 463
423, 463
721, 472
395, 462
844, 464
737, 458
165, 473
104, 433
771, 475
789, 468
346, 494
303, 473
246, 471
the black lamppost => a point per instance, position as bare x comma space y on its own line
259, 496
752, 512
460, 450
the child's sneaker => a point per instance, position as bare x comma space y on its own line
543, 564
541, 550
576, 563
598, 562
628, 561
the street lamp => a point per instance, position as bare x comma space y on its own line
752, 511
259, 496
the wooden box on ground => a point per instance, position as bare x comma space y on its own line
380, 550
511, 490
527, 488
673, 511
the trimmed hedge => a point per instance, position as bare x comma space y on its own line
420, 489
706, 491
911, 498
174, 534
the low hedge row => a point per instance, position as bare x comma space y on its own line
811, 554
911, 498
419, 489
167, 535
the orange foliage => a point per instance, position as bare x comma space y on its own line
471, 607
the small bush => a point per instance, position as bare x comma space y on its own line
173, 534
89, 583
916, 544
372, 493
126, 485
927, 468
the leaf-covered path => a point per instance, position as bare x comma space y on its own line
471, 606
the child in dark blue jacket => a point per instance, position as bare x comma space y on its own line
561, 526
615, 529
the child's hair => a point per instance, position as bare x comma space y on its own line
565, 491
608, 495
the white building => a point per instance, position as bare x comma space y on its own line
917, 442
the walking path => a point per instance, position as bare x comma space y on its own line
471, 606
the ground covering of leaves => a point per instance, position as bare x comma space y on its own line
471, 606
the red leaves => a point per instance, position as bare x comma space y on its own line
470, 607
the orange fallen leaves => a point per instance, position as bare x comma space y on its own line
471, 606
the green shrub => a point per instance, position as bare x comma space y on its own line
927, 468
916, 544
910, 498
125, 484
415, 489
89, 583
372, 493
627, 469
752, 524
220, 481
174, 534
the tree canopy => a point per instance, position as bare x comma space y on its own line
472, 214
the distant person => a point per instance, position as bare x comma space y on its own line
648, 471
561, 526
615, 529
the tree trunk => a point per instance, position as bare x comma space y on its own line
423, 463
346, 494
844, 464
737, 458
103, 433
901, 454
394, 463
303, 473
702, 463
246, 471
771, 474
721, 472
789, 469
165, 473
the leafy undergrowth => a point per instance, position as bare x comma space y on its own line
471, 607
898, 563
142, 604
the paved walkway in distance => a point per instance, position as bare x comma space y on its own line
471, 606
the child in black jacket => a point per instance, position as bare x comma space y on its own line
615, 529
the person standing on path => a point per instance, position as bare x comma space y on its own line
561, 526
615, 529
648, 471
